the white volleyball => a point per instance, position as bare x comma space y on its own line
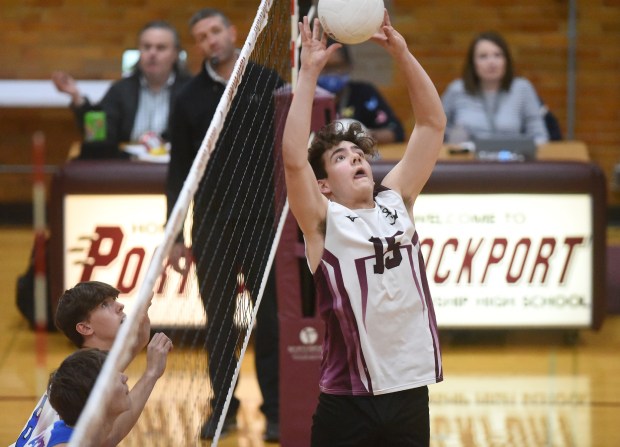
351, 21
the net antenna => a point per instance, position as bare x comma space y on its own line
90, 420
40, 276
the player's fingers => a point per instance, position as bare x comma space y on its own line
332, 48
316, 29
156, 339
162, 340
304, 29
166, 341
386, 18
302, 33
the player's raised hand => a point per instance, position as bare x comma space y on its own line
314, 49
180, 258
389, 38
157, 354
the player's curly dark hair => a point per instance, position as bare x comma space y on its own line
332, 134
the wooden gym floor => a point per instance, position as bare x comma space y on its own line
501, 389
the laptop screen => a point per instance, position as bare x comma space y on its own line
519, 148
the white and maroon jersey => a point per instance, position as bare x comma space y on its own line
381, 333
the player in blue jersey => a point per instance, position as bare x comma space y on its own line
69, 387
90, 316
381, 346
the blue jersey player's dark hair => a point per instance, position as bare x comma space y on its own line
70, 385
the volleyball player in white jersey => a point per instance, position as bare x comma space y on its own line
381, 346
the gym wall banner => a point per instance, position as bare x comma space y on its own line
507, 260
493, 260
112, 238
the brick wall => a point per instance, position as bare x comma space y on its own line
87, 39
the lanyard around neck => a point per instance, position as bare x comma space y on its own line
490, 109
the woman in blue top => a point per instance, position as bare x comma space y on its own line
488, 100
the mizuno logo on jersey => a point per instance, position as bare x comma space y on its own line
352, 218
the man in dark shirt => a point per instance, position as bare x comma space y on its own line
141, 102
233, 224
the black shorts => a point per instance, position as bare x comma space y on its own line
387, 420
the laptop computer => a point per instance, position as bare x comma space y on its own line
518, 148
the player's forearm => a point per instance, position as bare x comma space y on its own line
297, 129
412, 172
138, 397
425, 101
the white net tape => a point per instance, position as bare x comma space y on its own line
178, 421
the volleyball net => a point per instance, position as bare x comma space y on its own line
230, 210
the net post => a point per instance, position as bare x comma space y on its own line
82, 437
40, 276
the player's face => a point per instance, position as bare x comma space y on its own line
119, 395
214, 39
489, 61
158, 52
349, 176
104, 322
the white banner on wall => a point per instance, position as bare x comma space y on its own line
493, 260
112, 239
497, 260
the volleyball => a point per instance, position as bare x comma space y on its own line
351, 21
